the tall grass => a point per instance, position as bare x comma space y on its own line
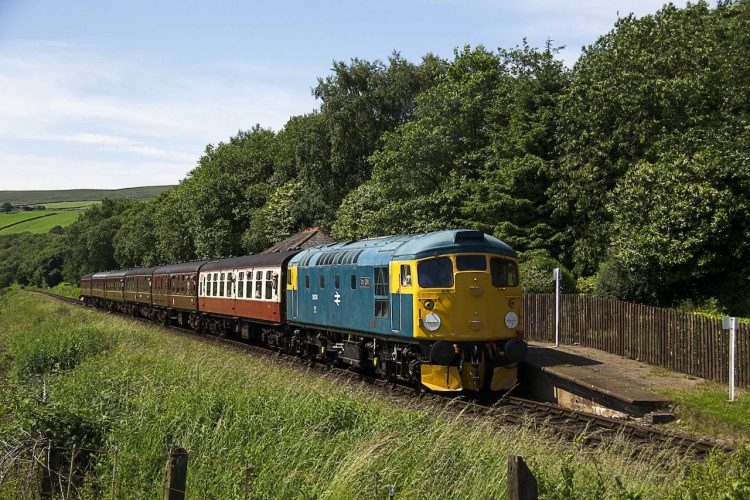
141, 391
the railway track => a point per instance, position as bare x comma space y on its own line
575, 425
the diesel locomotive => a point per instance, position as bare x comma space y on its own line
441, 310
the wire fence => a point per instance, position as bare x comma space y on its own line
39, 469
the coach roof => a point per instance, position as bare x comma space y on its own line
140, 271
270, 259
185, 267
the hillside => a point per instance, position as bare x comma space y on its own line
69, 195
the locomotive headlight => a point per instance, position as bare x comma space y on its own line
511, 320
432, 322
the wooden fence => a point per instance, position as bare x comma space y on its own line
680, 341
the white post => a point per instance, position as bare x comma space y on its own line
730, 323
556, 277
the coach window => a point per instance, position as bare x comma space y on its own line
241, 285
222, 280
269, 285
381, 292
258, 284
249, 284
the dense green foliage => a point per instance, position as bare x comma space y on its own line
631, 169
124, 391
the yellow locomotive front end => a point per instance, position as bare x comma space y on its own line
468, 307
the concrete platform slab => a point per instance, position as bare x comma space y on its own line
586, 383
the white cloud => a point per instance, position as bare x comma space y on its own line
64, 105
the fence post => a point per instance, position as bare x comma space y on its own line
46, 489
556, 276
521, 482
730, 323
248, 470
176, 475
114, 473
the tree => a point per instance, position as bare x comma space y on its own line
6, 207
632, 95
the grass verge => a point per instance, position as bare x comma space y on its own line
705, 410
127, 390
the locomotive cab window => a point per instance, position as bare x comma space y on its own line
504, 273
405, 275
435, 273
471, 263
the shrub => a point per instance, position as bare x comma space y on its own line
536, 273
615, 281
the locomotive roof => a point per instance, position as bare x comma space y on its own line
378, 251
255, 260
140, 271
183, 267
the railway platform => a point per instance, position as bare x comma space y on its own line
591, 383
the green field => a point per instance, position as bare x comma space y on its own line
38, 221
7, 219
77, 195
127, 391
57, 205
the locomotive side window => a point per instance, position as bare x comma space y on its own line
336, 281
381, 292
504, 273
241, 285
307, 281
269, 284
354, 282
435, 273
322, 281
471, 263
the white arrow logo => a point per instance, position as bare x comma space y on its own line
337, 298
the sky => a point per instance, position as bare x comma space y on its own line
104, 94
